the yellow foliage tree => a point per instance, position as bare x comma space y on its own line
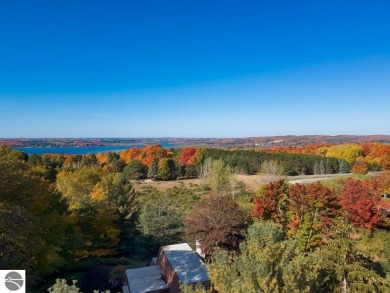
347, 152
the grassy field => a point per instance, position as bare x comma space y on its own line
252, 182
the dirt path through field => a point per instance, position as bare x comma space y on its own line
303, 181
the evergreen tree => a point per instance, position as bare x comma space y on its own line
161, 220
153, 167
346, 266
268, 262
316, 168
122, 198
328, 167
343, 167
322, 167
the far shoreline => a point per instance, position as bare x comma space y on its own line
79, 150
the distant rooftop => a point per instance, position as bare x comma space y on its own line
186, 263
147, 279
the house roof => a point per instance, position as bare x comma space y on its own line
147, 279
186, 263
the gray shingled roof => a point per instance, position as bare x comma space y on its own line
147, 279
186, 263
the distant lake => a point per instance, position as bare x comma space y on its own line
81, 150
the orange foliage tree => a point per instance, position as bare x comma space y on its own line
150, 152
187, 156
130, 154
146, 154
360, 167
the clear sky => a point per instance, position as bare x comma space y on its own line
91, 68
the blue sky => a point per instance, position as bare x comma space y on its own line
194, 68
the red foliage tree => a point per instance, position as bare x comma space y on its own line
272, 202
298, 206
323, 201
307, 211
362, 202
313, 203
381, 182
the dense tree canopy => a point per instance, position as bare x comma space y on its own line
376, 155
32, 222
250, 161
57, 211
270, 261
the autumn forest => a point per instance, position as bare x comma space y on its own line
89, 217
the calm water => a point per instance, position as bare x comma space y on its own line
80, 150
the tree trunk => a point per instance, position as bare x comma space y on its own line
345, 285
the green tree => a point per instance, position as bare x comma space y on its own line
134, 170
121, 197
89, 160
191, 171
316, 168
347, 267
219, 177
268, 262
328, 167
166, 169
322, 167
161, 219
343, 167
153, 167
